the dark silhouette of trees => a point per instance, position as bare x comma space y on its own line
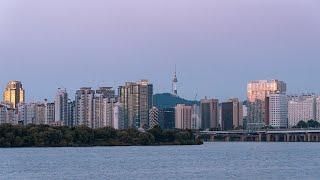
309, 124
49, 136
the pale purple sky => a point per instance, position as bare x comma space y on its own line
217, 45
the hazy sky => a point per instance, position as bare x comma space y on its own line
217, 45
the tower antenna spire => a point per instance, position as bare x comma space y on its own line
174, 82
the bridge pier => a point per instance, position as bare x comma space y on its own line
227, 138
287, 138
268, 137
309, 137
242, 138
212, 138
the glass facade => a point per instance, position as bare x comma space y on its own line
14, 93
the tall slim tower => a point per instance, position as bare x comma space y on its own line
14, 93
61, 106
174, 83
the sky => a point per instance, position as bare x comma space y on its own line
218, 46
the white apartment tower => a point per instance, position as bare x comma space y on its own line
301, 108
195, 117
118, 116
84, 113
318, 109
278, 110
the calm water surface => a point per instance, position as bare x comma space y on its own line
209, 161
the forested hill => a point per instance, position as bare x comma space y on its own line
167, 100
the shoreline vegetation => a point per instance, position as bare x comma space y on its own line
82, 136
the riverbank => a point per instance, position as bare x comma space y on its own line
82, 136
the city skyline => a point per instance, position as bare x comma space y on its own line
52, 45
30, 97
159, 89
267, 105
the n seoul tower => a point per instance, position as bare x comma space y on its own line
174, 83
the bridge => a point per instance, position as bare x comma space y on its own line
280, 135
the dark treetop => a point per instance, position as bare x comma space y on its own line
48, 136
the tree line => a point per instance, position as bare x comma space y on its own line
309, 124
81, 136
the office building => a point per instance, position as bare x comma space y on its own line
209, 113
231, 115
169, 117
50, 113
14, 93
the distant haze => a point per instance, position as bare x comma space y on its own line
218, 46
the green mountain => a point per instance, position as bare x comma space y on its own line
167, 100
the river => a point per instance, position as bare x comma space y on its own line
218, 160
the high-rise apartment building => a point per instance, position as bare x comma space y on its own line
278, 110
84, 104
50, 113
118, 116
231, 114
8, 114
155, 117
3, 114
40, 114
71, 113
301, 108
106, 92
183, 116
318, 109
103, 115
61, 107
137, 101
195, 117
257, 93
103, 107
209, 113
14, 93
31, 113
